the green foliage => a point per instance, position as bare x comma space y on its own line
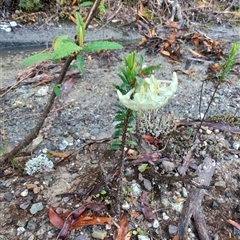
228, 63
56, 89
63, 47
131, 74
36, 58
143, 167
30, 5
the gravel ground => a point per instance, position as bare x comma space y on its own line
84, 117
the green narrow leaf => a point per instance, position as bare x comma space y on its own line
36, 58
86, 4
117, 133
120, 117
101, 45
56, 89
130, 142
63, 47
81, 31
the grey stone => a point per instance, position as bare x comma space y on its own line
8, 196
21, 223
168, 166
25, 205
172, 230
135, 190
143, 237
220, 184
31, 224
36, 207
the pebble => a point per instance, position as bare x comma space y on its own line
229, 195
168, 166
24, 193
63, 145
99, 234
13, 24
172, 230
25, 205
31, 224
215, 205
238, 208
135, 190
236, 232
155, 223
30, 186
21, 223
143, 237
184, 192
236, 145
125, 206
220, 184
165, 216
36, 207
20, 230
43, 91
8, 196
227, 158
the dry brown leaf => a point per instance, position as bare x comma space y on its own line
172, 37
165, 53
122, 232
59, 154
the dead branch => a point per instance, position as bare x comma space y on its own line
192, 206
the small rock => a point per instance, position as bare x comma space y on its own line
36, 190
227, 158
165, 216
208, 131
168, 166
236, 232
125, 206
220, 184
172, 230
8, 29
236, 145
36, 207
99, 234
43, 91
31, 224
20, 230
63, 145
30, 186
229, 195
184, 192
21, 223
143, 237
215, 205
238, 208
24, 193
8, 197
25, 205
13, 24
155, 223
135, 190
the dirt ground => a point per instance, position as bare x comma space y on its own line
81, 123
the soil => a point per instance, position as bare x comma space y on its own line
81, 123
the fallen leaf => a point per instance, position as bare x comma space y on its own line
59, 154
235, 224
122, 232
165, 53
54, 218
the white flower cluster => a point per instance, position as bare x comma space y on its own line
38, 164
151, 94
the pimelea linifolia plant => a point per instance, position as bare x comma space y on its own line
139, 91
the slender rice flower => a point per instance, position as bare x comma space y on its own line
151, 94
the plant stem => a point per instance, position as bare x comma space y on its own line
122, 159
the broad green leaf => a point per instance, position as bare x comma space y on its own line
86, 4
101, 45
79, 64
143, 167
36, 58
63, 47
56, 89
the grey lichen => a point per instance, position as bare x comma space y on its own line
38, 164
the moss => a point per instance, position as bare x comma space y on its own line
30, 5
